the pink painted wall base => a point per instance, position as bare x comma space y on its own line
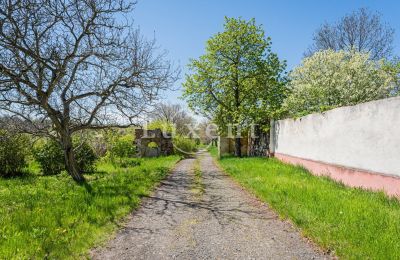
350, 177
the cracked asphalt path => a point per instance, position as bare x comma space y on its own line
219, 221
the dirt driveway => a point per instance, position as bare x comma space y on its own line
200, 213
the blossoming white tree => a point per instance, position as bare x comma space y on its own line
330, 79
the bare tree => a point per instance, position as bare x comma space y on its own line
174, 114
361, 30
71, 65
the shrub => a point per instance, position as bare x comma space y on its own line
85, 157
50, 157
184, 146
121, 148
13, 152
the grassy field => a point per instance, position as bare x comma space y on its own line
53, 217
354, 223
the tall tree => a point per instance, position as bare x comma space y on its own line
68, 65
362, 31
330, 79
232, 81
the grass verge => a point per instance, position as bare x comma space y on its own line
53, 217
353, 223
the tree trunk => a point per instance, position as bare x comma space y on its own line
70, 162
238, 147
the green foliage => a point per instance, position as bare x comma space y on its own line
238, 80
352, 223
13, 152
50, 157
164, 126
152, 145
184, 146
213, 151
330, 79
130, 162
120, 148
393, 69
123, 147
85, 157
53, 218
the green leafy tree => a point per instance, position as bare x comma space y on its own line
330, 79
238, 80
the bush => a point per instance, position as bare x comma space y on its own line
85, 157
121, 148
184, 146
50, 157
13, 152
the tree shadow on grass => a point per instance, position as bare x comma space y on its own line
20, 175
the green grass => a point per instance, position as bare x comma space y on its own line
213, 151
53, 217
198, 186
354, 223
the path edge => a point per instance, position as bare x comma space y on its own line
253, 196
121, 224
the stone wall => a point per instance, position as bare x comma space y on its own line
144, 137
227, 145
258, 144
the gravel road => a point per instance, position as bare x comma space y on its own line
205, 217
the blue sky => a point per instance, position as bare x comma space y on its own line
183, 26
